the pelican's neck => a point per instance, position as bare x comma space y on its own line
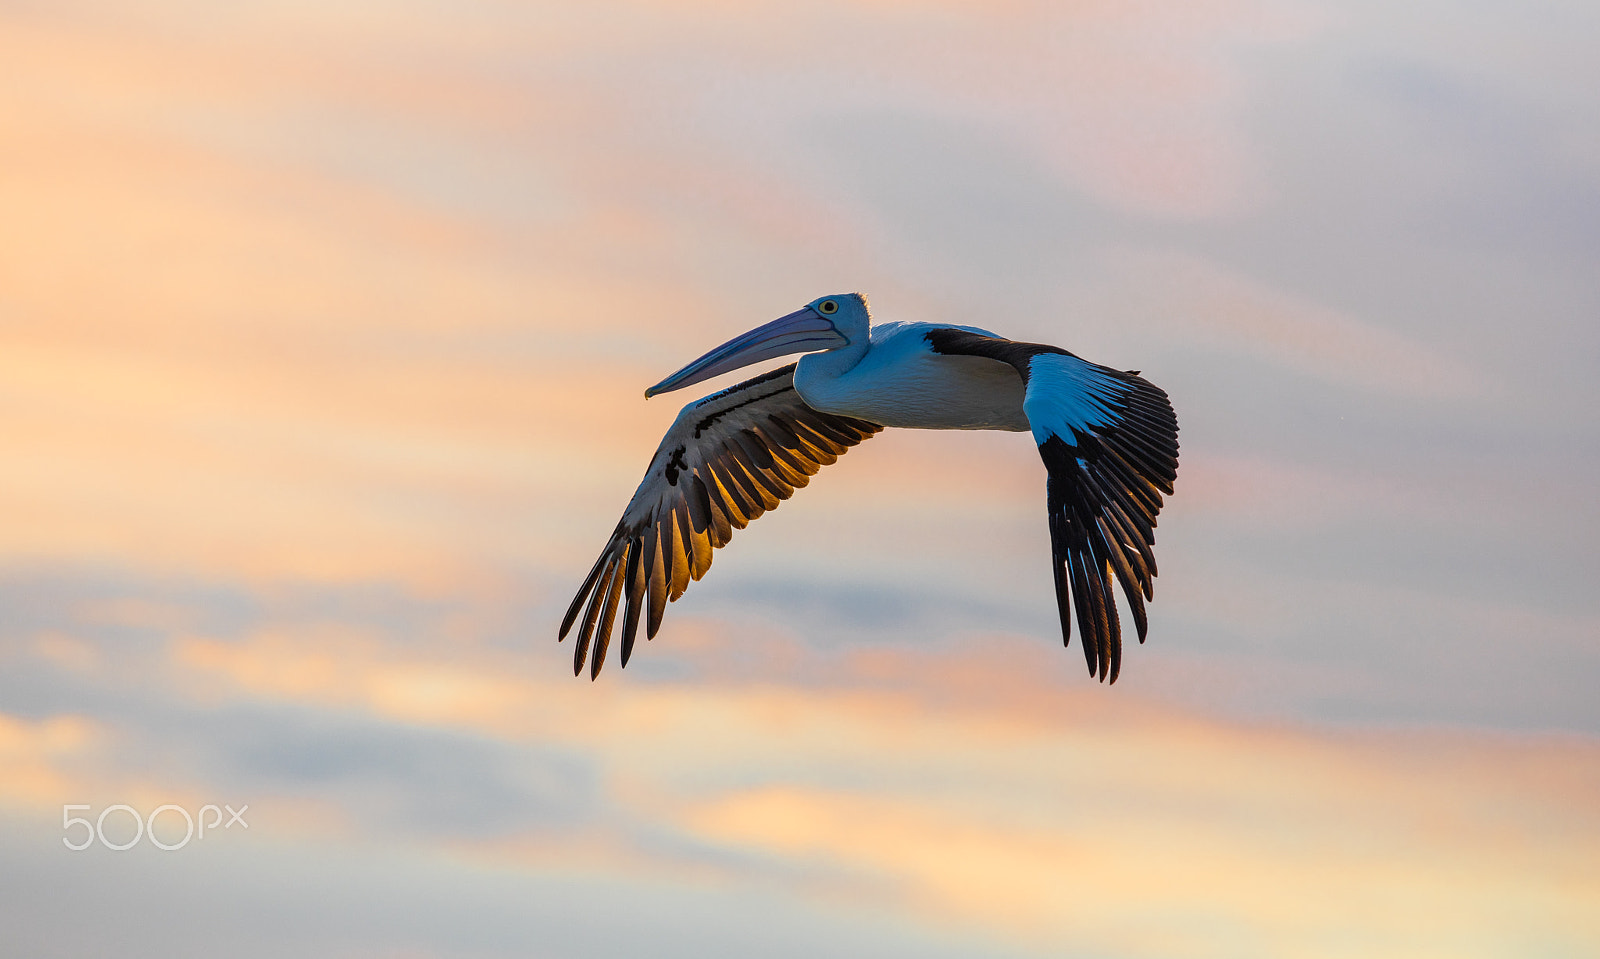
835, 362
816, 371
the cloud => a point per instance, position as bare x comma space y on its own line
979, 786
36, 756
1215, 308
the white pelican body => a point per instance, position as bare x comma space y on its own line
1108, 439
900, 381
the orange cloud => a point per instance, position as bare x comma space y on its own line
970, 789
1136, 881
229, 353
37, 756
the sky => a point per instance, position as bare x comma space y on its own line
323, 333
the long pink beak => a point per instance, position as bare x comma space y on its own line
803, 331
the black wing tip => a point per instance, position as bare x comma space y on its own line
1095, 549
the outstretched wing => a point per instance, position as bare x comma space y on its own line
1109, 440
726, 460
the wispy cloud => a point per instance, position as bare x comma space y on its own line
1210, 307
959, 787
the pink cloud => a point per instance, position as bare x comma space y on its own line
1209, 305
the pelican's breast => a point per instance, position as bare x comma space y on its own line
902, 382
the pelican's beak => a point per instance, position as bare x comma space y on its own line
802, 331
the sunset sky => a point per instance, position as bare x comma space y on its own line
323, 334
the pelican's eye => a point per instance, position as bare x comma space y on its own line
827, 307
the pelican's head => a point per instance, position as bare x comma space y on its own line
826, 323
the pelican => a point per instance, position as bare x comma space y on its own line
1108, 438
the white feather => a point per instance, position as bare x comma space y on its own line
1066, 393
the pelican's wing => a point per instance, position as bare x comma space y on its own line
1109, 440
726, 460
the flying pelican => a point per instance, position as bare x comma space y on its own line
1108, 438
